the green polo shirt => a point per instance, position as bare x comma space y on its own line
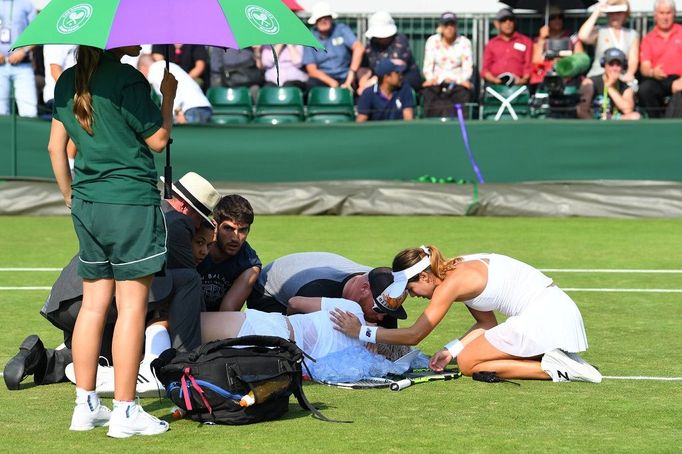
114, 164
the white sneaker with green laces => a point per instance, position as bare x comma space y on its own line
564, 366
131, 419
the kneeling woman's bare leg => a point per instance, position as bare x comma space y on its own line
480, 355
221, 325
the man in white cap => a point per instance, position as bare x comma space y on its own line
386, 42
339, 63
177, 294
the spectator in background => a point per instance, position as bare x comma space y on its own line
661, 60
607, 97
507, 57
338, 65
554, 30
386, 42
236, 68
615, 34
289, 60
57, 58
190, 105
191, 58
448, 67
389, 98
16, 69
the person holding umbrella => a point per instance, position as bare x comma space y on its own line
105, 107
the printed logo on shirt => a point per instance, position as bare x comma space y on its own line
262, 19
520, 47
214, 287
338, 41
74, 18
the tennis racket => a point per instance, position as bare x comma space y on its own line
365, 383
407, 382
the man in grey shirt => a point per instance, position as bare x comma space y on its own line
319, 274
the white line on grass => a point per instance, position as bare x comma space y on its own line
30, 269
25, 288
544, 270
625, 290
588, 270
643, 378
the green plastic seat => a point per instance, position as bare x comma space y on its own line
230, 105
279, 105
330, 103
503, 102
329, 118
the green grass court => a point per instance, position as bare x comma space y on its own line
631, 333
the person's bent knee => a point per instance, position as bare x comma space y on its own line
466, 362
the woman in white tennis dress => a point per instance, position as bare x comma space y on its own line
538, 340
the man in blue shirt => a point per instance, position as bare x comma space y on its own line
338, 65
389, 98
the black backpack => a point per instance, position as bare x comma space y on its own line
235, 381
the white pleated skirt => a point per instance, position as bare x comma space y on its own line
551, 321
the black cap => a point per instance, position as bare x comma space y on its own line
379, 280
505, 13
448, 18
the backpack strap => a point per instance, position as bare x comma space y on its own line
188, 403
257, 341
305, 403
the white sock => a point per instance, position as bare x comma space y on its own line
157, 340
122, 404
87, 397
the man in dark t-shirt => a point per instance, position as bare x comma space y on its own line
231, 268
318, 274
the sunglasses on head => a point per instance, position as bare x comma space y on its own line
384, 302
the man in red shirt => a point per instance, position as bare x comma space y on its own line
660, 59
508, 52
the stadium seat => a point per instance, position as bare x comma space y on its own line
279, 105
230, 105
503, 102
330, 105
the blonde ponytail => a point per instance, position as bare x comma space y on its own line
87, 60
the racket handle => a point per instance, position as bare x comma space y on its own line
401, 384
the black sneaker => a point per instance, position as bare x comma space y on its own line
31, 357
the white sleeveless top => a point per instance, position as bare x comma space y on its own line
512, 285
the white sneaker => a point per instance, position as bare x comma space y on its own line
147, 384
87, 416
563, 366
130, 420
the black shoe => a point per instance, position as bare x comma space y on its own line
31, 357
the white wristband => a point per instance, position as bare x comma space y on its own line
455, 347
368, 334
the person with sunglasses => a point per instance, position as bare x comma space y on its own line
507, 57
538, 340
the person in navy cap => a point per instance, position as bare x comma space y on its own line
389, 98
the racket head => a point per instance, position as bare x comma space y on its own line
364, 383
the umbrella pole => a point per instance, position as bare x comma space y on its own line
168, 170
547, 13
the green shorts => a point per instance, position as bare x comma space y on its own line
123, 242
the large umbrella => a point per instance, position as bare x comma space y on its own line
544, 5
107, 24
